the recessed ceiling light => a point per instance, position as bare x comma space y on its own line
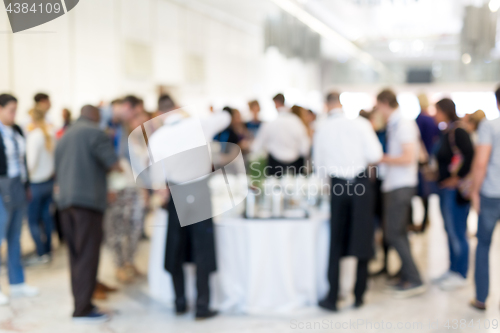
395, 46
466, 58
418, 45
494, 5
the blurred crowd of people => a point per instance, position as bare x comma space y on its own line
78, 180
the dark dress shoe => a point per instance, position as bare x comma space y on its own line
358, 303
180, 310
205, 314
180, 307
325, 304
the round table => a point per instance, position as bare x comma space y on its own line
264, 266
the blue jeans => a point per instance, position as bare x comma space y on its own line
490, 214
455, 217
39, 215
10, 229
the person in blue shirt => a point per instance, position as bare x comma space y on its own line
430, 134
13, 196
254, 124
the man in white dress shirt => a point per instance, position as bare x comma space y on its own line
343, 150
399, 187
181, 146
285, 140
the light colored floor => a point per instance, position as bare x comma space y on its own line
135, 311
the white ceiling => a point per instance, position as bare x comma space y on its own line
401, 19
393, 30
399, 30
250, 11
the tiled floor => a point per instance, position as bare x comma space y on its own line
135, 311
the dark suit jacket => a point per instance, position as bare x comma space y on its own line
84, 155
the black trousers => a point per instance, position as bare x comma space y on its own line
379, 216
202, 288
57, 224
334, 276
352, 231
83, 233
278, 168
188, 249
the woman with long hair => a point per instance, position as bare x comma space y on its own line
472, 122
304, 116
454, 156
235, 133
40, 146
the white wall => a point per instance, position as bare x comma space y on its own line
104, 49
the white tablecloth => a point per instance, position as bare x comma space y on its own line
264, 266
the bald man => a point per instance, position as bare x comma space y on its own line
84, 156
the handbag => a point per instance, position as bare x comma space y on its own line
465, 184
428, 165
